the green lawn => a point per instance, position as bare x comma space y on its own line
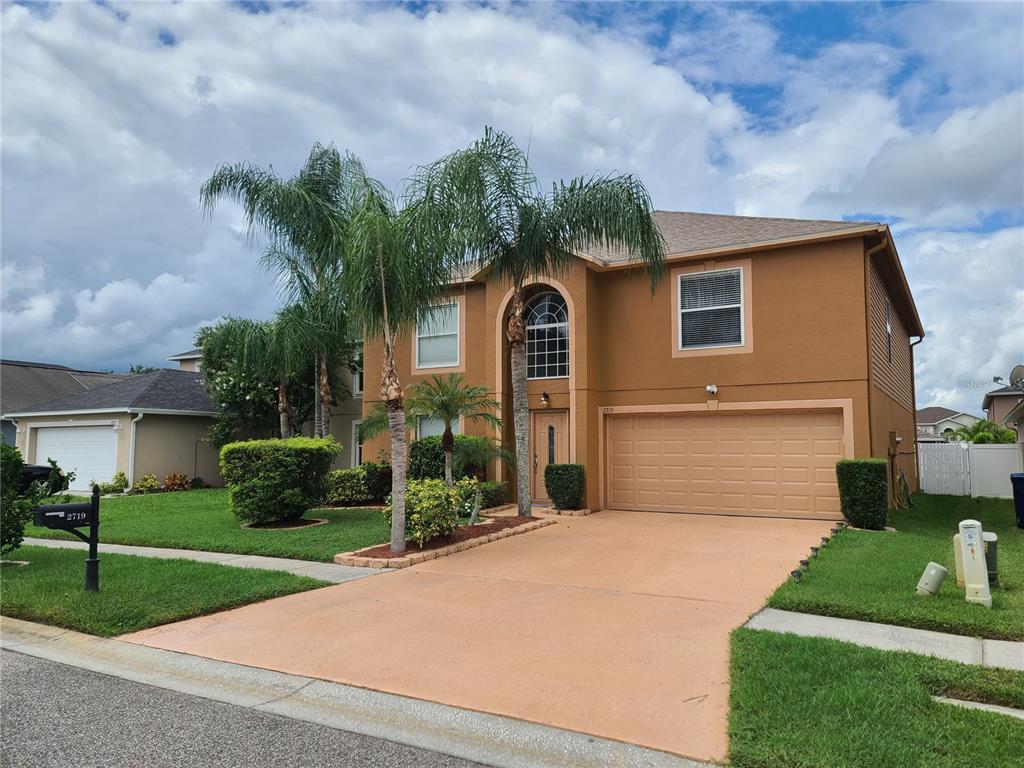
135, 592
202, 520
801, 702
872, 575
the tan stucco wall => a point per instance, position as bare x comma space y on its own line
168, 444
1000, 406
809, 332
342, 416
26, 437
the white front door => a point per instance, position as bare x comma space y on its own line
89, 452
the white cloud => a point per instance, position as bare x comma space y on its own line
107, 136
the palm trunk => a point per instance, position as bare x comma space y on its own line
476, 508
391, 394
325, 400
448, 448
520, 405
448, 468
282, 410
317, 413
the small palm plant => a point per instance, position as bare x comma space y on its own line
500, 219
985, 431
449, 399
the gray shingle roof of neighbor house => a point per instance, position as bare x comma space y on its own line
23, 383
933, 414
163, 390
688, 232
192, 354
1002, 391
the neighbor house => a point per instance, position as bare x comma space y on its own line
188, 361
936, 424
1000, 402
151, 423
23, 383
772, 349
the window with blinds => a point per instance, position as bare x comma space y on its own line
711, 309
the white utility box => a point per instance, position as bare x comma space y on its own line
972, 554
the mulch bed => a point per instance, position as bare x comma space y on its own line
462, 533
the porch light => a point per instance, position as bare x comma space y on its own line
545, 399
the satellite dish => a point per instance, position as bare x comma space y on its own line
1017, 377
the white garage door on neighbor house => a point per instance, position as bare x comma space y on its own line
89, 452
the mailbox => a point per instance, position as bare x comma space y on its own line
71, 517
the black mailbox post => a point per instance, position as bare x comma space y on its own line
71, 517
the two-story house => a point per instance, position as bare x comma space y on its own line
772, 348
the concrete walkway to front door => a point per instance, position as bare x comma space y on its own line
615, 625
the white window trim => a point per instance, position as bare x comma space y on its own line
357, 383
568, 349
458, 340
680, 311
355, 442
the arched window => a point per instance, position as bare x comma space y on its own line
547, 337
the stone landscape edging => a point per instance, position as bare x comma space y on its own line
564, 512
405, 560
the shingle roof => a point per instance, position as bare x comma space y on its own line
934, 414
24, 383
190, 355
688, 232
1001, 392
166, 389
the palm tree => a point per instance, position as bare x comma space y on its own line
499, 218
304, 218
280, 347
449, 399
984, 431
394, 272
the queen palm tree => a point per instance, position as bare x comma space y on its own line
499, 218
449, 399
304, 218
394, 272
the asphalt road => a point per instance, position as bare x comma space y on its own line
55, 715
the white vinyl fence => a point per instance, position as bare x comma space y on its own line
966, 469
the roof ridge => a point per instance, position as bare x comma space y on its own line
852, 222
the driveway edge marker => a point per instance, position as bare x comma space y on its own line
489, 739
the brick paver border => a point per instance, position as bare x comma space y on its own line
404, 561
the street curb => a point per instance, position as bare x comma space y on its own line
493, 740
1003, 654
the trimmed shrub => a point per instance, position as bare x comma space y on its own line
347, 486
378, 481
176, 482
146, 484
564, 484
493, 494
197, 484
118, 484
864, 491
272, 480
465, 492
430, 510
15, 507
426, 459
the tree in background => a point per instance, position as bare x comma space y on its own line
487, 197
985, 431
394, 272
305, 219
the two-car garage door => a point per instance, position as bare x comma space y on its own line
772, 464
90, 452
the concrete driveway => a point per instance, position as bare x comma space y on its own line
615, 625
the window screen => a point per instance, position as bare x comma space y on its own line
711, 309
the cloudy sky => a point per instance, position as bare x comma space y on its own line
114, 113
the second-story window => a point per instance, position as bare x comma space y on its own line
547, 337
437, 337
711, 309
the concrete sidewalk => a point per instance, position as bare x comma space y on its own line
1005, 654
489, 739
336, 574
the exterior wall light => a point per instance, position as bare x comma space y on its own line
711, 389
545, 399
